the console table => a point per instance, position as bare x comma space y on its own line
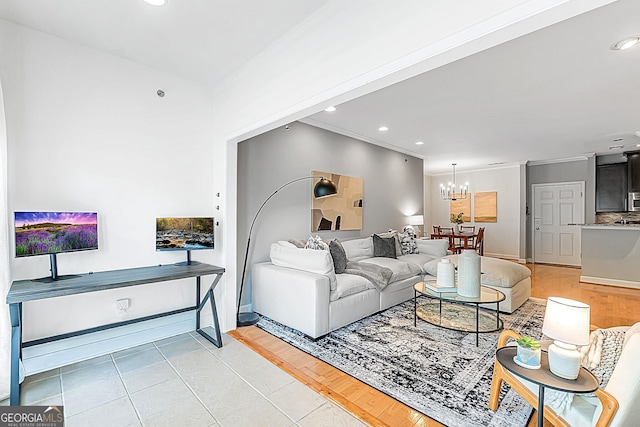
29, 290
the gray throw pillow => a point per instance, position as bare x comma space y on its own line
339, 256
384, 246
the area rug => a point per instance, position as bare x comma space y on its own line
436, 371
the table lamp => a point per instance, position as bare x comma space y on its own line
567, 323
416, 221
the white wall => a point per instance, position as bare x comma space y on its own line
502, 238
87, 132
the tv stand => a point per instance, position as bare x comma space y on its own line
50, 287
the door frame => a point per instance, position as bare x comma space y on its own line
533, 210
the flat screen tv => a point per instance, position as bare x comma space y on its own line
184, 234
51, 233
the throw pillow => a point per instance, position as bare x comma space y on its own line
316, 243
298, 243
384, 247
408, 243
394, 234
602, 353
339, 256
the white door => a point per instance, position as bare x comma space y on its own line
555, 207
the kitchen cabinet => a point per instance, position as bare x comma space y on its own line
633, 162
611, 187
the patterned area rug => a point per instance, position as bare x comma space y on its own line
437, 371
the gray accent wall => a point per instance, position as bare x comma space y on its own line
576, 170
393, 185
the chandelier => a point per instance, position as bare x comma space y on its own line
450, 192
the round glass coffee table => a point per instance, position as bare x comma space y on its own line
457, 312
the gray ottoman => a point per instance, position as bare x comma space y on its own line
510, 278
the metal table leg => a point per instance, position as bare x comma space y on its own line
540, 406
217, 340
16, 351
415, 307
477, 322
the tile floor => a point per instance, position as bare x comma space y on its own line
182, 381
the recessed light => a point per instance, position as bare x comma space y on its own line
626, 43
156, 2
637, 145
419, 143
615, 147
330, 109
383, 128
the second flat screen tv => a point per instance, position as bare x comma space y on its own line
184, 234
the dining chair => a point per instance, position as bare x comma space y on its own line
436, 229
479, 245
446, 230
468, 228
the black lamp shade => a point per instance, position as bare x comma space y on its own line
324, 188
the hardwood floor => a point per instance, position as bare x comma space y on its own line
610, 306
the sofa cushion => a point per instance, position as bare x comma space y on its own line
496, 272
319, 262
437, 248
401, 270
339, 256
384, 246
349, 284
358, 249
419, 260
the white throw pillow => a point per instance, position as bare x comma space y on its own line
319, 262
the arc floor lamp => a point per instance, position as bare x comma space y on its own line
323, 188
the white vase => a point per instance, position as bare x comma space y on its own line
445, 273
456, 228
469, 274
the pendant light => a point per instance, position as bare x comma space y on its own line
450, 192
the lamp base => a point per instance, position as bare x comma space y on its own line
564, 360
247, 319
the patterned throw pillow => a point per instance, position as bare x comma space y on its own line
602, 353
316, 243
408, 243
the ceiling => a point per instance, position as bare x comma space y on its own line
556, 93
202, 40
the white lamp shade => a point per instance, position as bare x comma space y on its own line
415, 220
567, 321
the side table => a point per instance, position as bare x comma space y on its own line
585, 383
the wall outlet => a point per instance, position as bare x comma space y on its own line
122, 305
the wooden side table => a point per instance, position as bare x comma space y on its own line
585, 383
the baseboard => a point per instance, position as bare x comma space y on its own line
44, 357
610, 282
503, 256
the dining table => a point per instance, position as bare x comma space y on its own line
464, 236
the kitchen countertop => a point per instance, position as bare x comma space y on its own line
611, 226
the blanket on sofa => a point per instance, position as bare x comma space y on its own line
378, 276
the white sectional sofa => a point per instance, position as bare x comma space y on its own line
300, 289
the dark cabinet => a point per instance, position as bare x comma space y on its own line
611, 187
633, 162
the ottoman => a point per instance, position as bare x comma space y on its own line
510, 278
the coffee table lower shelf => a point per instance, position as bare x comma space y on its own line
450, 311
